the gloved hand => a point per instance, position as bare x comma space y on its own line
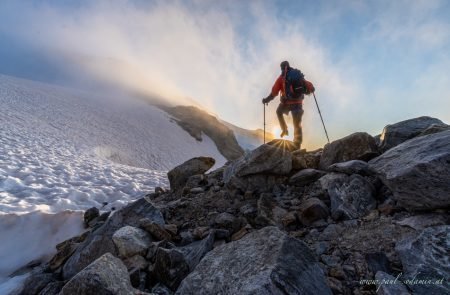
266, 100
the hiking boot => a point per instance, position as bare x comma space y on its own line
297, 146
284, 133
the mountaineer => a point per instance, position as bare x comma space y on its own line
293, 86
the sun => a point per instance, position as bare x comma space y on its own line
276, 131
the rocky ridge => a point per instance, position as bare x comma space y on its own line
276, 221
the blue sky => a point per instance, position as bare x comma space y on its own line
372, 62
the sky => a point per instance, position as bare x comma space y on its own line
373, 63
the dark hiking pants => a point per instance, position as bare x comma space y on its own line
297, 113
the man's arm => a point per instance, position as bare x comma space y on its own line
275, 90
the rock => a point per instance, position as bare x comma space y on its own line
351, 197
160, 289
156, 230
171, 229
420, 222
306, 160
180, 174
356, 146
131, 241
100, 241
312, 210
65, 250
377, 261
52, 288
90, 214
159, 190
200, 232
266, 261
241, 233
352, 167
36, 282
135, 262
173, 265
397, 133
196, 190
106, 275
227, 221
268, 211
305, 177
418, 172
425, 257
388, 285
434, 128
266, 159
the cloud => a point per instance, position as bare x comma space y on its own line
225, 56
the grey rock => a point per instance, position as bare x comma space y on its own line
90, 214
179, 175
36, 282
156, 230
305, 177
420, 222
400, 132
434, 128
266, 261
356, 146
425, 256
266, 159
352, 167
351, 197
418, 172
106, 275
388, 285
52, 288
377, 261
173, 265
160, 289
227, 221
131, 241
100, 241
312, 210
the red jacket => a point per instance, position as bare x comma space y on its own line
280, 86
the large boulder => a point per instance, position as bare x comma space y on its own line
352, 167
425, 257
270, 158
131, 241
261, 168
305, 177
100, 241
388, 285
356, 146
397, 133
179, 175
106, 275
266, 261
418, 172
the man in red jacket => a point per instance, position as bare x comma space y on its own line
290, 100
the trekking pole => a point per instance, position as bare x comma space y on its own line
326, 133
264, 123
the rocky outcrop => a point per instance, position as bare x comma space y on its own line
356, 146
418, 172
263, 262
100, 241
106, 275
195, 121
179, 175
425, 257
397, 133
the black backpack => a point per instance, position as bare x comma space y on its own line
294, 84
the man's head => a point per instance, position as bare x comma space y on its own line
284, 66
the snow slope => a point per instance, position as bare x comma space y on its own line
61, 149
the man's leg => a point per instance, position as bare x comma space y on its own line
297, 113
280, 114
